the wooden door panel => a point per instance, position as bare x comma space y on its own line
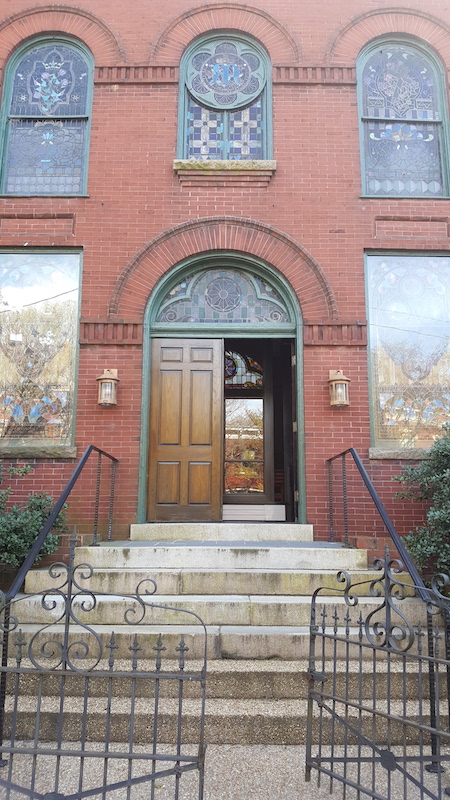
199, 483
170, 404
168, 482
171, 354
186, 422
201, 417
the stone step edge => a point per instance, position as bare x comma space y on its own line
215, 706
231, 642
231, 530
167, 600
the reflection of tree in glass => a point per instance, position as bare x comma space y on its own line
411, 412
37, 344
32, 337
244, 477
244, 429
244, 446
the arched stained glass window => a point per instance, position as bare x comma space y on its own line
224, 100
403, 115
46, 109
223, 295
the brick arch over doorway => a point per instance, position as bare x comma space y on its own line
344, 48
282, 47
247, 237
103, 42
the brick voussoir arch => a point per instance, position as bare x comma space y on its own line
102, 40
349, 41
281, 45
239, 235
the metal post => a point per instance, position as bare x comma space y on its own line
330, 493
111, 499
434, 766
97, 496
6, 623
344, 491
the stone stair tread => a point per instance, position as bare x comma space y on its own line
231, 543
364, 573
219, 555
214, 610
214, 706
252, 529
167, 705
168, 599
260, 666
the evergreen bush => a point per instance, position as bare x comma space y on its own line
20, 524
429, 544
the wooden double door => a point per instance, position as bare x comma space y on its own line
187, 456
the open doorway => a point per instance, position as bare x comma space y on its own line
222, 439
259, 436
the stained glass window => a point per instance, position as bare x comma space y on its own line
38, 346
409, 316
223, 295
47, 117
242, 372
224, 101
402, 115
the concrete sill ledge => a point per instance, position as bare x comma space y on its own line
401, 454
221, 173
8, 450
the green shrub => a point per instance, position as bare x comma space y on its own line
429, 544
20, 524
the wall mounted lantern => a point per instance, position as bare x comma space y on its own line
107, 388
339, 394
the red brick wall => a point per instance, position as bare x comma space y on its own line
309, 222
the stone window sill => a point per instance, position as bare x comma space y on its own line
8, 450
400, 454
220, 173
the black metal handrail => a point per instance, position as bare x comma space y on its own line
48, 525
387, 522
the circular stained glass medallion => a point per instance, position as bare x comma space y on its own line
225, 74
223, 294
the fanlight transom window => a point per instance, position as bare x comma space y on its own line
223, 295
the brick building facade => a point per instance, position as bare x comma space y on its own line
298, 153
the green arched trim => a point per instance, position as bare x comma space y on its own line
266, 94
413, 43
6, 99
285, 331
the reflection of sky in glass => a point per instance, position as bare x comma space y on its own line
31, 278
409, 312
238, 409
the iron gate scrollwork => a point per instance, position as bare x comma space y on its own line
84, 715
379, 687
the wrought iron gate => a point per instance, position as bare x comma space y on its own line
83, 715
379, 688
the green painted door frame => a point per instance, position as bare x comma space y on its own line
291, 330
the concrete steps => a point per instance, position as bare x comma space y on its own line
249, 703
173, 581
215, 555
250, 583
222, 531
223, 611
